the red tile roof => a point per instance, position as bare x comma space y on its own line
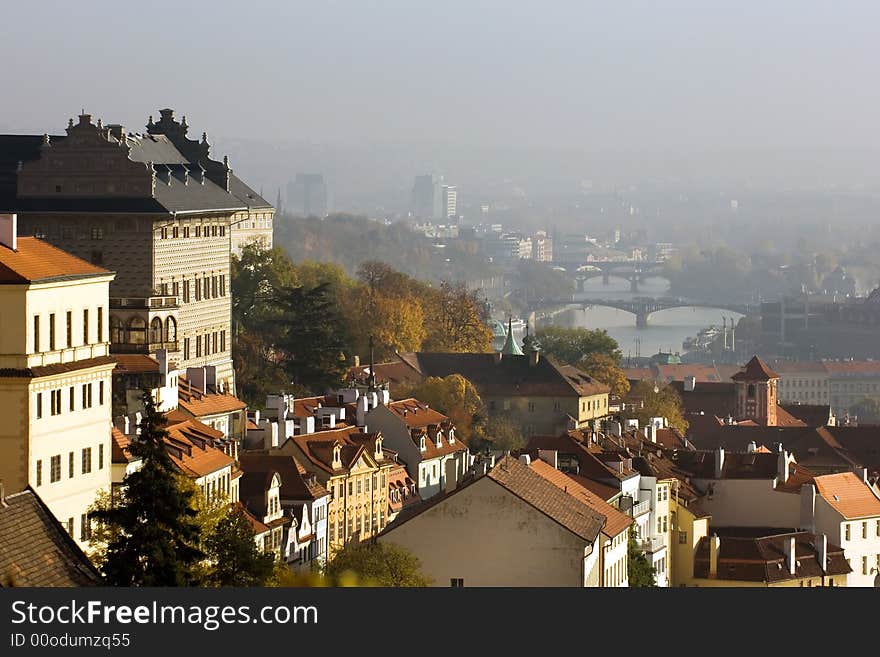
36, 261
755, 370
191, 446
849, 495
135, 363
615, 521
202, 404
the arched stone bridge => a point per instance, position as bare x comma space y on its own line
644, 307
634, 271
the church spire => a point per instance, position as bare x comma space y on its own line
511, 348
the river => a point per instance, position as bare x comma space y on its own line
665, 331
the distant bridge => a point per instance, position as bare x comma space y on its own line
644, 307
634, 271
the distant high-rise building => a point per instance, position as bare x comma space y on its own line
432, 199
307, 195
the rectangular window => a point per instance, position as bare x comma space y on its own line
846, 532
186, 231
101, 456
222, 340
39, 405
69, 329
213, 231
186, 291
174, 232
186, 349
682, 537
222, 285
359, 487
531, 407
101, 393
39, 473
70, 527
214, 286
198, 231
56, 402
86, 326
55, 468
206, 287
198, 346
864, 530
97, 233
214, 342
86, 460
222, 231
36, 332
71, 395
659, 495
51, 331
350, 488
85, 527
864, 565
100, 324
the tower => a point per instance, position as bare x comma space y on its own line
511, 348
756, 393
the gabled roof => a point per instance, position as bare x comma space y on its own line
849, 495
416, 414
35, 550
615, 520
318, 447
547, 498
296, 482
36, 261
755, 370
135, 363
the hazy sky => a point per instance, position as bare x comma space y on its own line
626, 76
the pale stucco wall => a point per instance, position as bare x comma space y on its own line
489, 537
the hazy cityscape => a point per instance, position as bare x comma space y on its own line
488, 296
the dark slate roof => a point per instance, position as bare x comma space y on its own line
157, 149
35, 550
296, 483
812, 415
246, 195
753, 558
509, 376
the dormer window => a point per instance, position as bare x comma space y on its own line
422, 443
439, 441
451, 435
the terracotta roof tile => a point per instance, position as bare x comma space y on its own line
36, 261
755, 370
547, 498
202, 404
191, 446
135, 363
615, 521
848, 495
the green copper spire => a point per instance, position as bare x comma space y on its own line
511, 348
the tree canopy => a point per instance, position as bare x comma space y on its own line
383, 564
572, 345
642, 403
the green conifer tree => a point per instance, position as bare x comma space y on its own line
154, 535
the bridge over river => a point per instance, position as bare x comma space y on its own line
644, 307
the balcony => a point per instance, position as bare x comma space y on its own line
142, 348
641, 508
143, 302
652, 544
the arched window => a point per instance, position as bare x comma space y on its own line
170, 330
156, 331
137, 331
117, 333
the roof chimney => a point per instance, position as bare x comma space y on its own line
525, 459
690, 382
714, 549
823, 551
752, 447
549, 456
9, 231
782, 465
791, 556
719, 462
808, 507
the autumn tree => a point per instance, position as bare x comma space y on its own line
640, 570
384, 564
458, 320
500, 432
604, 369
647, 399
571, 345
455, 397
